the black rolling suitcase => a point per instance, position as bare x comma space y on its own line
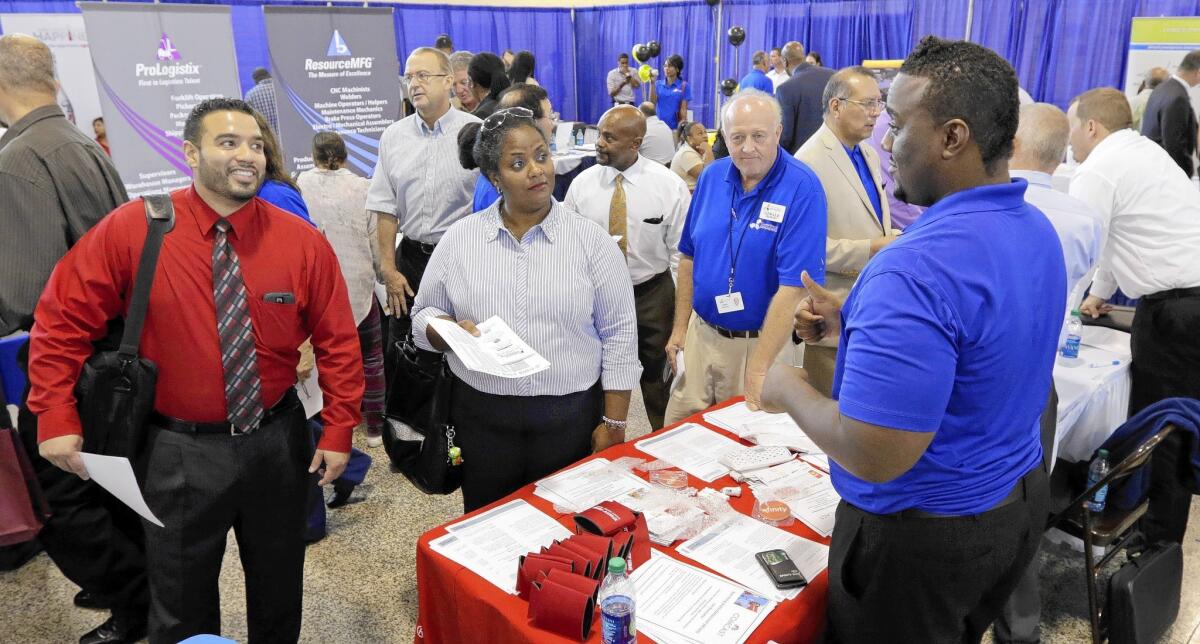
1143, 595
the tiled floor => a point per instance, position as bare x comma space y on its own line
361, 586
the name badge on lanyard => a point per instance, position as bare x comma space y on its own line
772, 212
730, 303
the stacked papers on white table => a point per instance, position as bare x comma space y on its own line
586, 485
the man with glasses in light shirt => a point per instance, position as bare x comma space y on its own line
860, 223
418, 189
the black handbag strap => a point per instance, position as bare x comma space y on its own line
160, 219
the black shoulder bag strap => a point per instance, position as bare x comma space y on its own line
160, 219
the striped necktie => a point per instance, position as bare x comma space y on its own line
239, 360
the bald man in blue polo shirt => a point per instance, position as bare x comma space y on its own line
756, 221
933, 432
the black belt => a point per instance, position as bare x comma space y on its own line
416, 246
1174, 294
285, 404
616, 102
1017, 493
729, 333
641, 289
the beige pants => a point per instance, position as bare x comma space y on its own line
820, 363
714, 369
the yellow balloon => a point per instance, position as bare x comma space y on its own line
644, 73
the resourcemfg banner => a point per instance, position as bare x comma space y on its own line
153, 64
334, 69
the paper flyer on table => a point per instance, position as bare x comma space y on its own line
497, 351
738, 418
586, 485
806, 490
491, 543
692, 448
115, 474
729, 548
677, 602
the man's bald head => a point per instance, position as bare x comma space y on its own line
648, 109
626, 116
1041, 140
621, 131
1156, 76
26, 66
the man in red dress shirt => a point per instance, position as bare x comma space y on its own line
240, 285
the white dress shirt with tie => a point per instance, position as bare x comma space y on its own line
1080, 229
657, 202
418, 176
1152, 213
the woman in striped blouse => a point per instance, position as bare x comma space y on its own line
561, 284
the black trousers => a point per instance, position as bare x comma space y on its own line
655, 301
510, 441
202, 485
898, 578
411, 260
1166, 364
94, 539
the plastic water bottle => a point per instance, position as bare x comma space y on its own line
1096, 471
617, 605
1070, 347
579, 137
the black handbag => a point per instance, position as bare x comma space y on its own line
1143, 595
419, 439
115, 391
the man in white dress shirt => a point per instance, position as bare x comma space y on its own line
1152, 212
419, 188
643, 205
779, 70
659, 142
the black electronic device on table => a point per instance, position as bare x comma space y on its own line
781, 569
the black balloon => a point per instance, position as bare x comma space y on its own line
713, 3
654, 47
737, 36
641, 53
728, 86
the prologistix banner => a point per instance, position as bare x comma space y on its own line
154, 63
66, 37
334, 69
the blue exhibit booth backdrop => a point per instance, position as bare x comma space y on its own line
1059, 48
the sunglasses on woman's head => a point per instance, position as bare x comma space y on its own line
499, 117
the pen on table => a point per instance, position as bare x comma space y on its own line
1097, 365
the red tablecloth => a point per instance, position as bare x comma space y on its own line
456, 605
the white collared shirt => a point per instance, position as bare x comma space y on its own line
1152, 213
1080, 229
777, 77
418, 177
652, 192
659, 142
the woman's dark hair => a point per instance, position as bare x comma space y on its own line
275, 168
719, 149
489, 143
685, 129
676, 61
816, 57
487, 70
522, 67
329, 150
466, 146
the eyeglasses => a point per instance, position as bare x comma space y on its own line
873, 106
499, 117
422, 77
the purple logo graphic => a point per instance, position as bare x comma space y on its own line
166, 48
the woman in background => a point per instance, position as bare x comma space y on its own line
670, 94
278, 189
694, 153
521, 70
488, 79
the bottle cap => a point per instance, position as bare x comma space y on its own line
1103, 453
1075, 312
616, 566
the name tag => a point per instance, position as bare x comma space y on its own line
772, 212
730, 303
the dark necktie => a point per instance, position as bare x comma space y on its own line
243, 396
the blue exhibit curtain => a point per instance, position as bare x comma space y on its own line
680, 28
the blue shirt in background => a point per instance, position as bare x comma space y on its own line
485, 194
280, 194
952, 329
864, 175
758, 80
669, 98
778, 232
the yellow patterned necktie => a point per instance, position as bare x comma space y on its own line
616, 214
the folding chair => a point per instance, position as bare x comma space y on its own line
1114, 529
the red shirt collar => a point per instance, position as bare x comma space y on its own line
206, 218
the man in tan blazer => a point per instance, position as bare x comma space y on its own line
860, 223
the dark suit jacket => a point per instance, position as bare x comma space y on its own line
800, 98
1170, 122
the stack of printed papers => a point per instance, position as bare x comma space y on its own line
497, 351
692, 448
589, 484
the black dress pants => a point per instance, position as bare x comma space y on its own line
655, 302
411, 260
1166, 364
510, 441
902, 578
201, 486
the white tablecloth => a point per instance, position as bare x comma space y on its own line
567, 161
1093, 393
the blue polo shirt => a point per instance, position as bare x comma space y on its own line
669, 98
758, 80
485, 194
778, 232
952, 329
864, 174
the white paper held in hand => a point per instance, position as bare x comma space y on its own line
497, 351
115, 474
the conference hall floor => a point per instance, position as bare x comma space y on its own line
360, 583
